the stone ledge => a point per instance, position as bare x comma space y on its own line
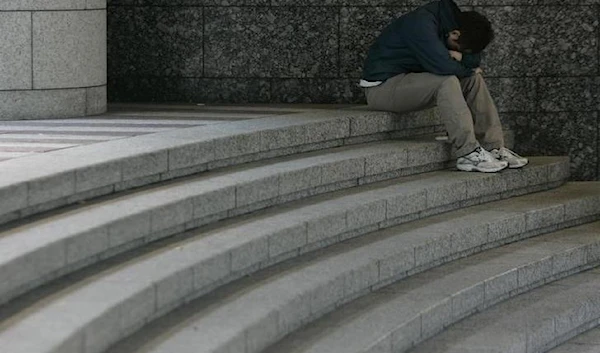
419, 307
39, 183
114, 225
51, 5
536, 321
157, 284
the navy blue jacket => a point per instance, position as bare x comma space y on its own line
416, 42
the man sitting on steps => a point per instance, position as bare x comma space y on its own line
430, 57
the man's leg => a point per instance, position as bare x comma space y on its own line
488, 128
416, 91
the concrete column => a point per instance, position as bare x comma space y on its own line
52, 58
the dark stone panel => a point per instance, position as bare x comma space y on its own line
571, 2
364, 3
188, 2
308, 2
569, 133
568, 93
460, 3
542, 41
158, 41
505, 2
317, 91
188, 90
509, 120
512, 51
151, 89
122, 2
568, 42
271, 42
234, 90
359, 27
513, 94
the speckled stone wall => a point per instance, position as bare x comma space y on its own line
53, 58
542, 68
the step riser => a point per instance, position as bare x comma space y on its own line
591, 259
190, 212
548, 346
368, 277
301, 250
188, 151
419, 307
431, 322
232, 254
362, 279
434, 321
573, 310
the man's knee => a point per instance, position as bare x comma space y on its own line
450, 85
476, 80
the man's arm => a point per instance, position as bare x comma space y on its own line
431, 52
456, 55
471, 61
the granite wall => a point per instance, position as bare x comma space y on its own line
542, 68
53, 58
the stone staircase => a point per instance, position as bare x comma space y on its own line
323, 231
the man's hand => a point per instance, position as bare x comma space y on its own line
456, 55
478, 71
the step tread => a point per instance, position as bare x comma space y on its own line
132, 216
534, 321
46, 181
159, 279
395, 317
212, 325
588, 342
34, 252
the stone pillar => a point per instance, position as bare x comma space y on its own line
52, 58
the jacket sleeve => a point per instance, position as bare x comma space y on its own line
471, 61
431, 52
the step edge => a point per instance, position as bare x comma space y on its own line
59, 250
169, 155
168, 309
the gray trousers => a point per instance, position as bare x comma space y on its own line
465, 105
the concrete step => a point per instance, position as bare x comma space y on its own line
588, 342
39, 183
257, 311
396, 317
99, 310
533, 322
39, 251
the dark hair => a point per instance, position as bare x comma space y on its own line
475, 31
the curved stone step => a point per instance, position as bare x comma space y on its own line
40, 251
588, 342
99, 311
249, 315
50, 180
396, 317
533, 322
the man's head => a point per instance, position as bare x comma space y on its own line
473, 35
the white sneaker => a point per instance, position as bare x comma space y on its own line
513, 159
480, 160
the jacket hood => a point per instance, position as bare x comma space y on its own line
447, 11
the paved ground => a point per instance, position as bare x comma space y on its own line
27, 137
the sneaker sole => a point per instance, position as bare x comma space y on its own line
473, 168
518, 166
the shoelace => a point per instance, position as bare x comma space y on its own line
483, 155
508, 153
